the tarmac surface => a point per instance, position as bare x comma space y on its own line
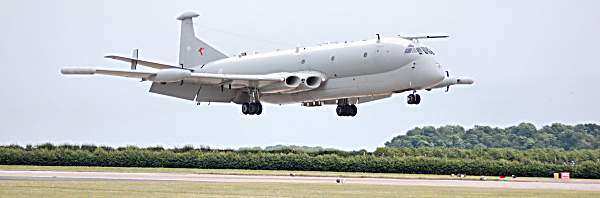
63, 175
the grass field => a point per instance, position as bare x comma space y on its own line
104, 188
257, 172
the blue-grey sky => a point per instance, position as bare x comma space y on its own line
533, 61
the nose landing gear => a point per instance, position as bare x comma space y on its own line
413, 99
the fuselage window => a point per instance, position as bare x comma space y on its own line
332, 58
302, 61
408, 50
365, 55
419, 50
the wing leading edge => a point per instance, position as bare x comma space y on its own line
176, 75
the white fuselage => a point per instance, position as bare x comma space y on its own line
342, 74
358, 69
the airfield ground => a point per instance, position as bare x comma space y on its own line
273, 173
45, 181
104, 188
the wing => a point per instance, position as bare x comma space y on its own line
154, 65
177, 75
110, 72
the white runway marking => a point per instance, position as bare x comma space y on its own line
63, 175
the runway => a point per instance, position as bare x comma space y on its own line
62, 175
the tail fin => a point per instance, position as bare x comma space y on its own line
193, 51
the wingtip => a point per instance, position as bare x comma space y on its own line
74, 70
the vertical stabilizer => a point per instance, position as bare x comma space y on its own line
193, 51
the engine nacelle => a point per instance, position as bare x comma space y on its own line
170, 75
290, 83
310, 81
313, 82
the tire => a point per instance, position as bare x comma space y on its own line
252, 108
347, 110
245, 108
411, 99
417, 99
339, 110
259, 110
353, 110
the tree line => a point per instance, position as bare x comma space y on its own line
522, 137
481, 161
520, 150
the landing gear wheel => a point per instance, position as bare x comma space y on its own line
252, 108
346, 110
417, 99
339, 110
259, 108
410, 99
245, 108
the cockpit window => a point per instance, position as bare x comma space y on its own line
431, 51
420, 50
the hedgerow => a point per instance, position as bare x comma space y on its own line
384, 160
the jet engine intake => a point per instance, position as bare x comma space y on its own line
290, 83
309, 82
313, 82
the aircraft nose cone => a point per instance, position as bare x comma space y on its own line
438, 73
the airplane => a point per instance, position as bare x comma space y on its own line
337, 73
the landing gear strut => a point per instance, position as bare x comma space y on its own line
345, 109
413, 99
253, 107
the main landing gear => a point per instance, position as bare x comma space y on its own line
346, 110
253, 107
413, 99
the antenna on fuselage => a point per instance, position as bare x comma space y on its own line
378, 38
